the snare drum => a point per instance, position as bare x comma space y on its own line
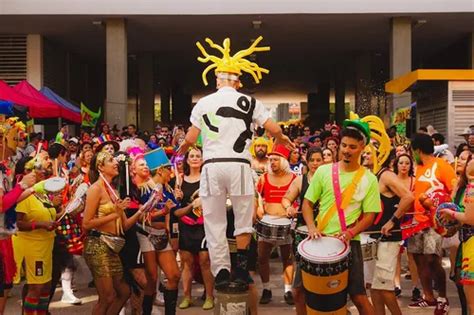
274, 228
54, 184
369, 247
325, 273
450, 227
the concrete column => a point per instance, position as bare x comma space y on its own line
318, 105
312, 110
400, 56
340, 95
363, 80
116, 72
146, 91
34, 60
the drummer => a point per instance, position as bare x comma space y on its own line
396, 200
259, 149
33, 244
272, 186
297, 190
358, 213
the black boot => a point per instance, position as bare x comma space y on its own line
147, 305
241, 270
221, 282
171, 298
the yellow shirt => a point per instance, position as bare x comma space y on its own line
35, 210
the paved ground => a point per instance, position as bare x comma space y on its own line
277, 305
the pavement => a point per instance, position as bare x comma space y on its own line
89, 297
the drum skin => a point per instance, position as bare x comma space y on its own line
325, 284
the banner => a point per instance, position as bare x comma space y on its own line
399, 118
89, 118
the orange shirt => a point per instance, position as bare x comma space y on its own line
437, 175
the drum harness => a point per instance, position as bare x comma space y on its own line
342, 199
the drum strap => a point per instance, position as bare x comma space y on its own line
342, 199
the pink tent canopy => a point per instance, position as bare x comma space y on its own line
36, 108
27, 89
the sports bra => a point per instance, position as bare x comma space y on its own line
274, 194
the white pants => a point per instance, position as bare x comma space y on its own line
217, 181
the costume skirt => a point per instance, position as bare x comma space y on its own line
100, 259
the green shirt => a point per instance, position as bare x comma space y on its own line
366, 197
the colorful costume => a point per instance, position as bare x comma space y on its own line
226, 120
467, 239
35, 248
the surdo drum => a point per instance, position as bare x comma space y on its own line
273, 228
324, 266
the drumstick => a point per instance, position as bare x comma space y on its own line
399, 230
378, 232
176, 174
62, 216
40, 145
55, 171
127, 180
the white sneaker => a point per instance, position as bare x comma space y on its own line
69, 298
160, 299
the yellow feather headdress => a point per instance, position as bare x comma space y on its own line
232, 64
377, 133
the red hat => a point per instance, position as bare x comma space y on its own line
280, 150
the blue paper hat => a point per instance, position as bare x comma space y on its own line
156, 159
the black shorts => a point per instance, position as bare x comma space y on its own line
192, 238
173, 226
356, 284
130, 254
62, 258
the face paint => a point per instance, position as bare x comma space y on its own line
416, 155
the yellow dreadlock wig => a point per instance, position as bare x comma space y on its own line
381, 149
232, 64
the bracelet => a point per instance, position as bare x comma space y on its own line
453, 214
33, 225
395, 220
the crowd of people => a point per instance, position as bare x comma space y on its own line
287, 183
342, 203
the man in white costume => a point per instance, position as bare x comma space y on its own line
226, 120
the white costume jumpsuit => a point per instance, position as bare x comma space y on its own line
226, 119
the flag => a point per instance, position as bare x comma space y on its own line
30, 127
89, 118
